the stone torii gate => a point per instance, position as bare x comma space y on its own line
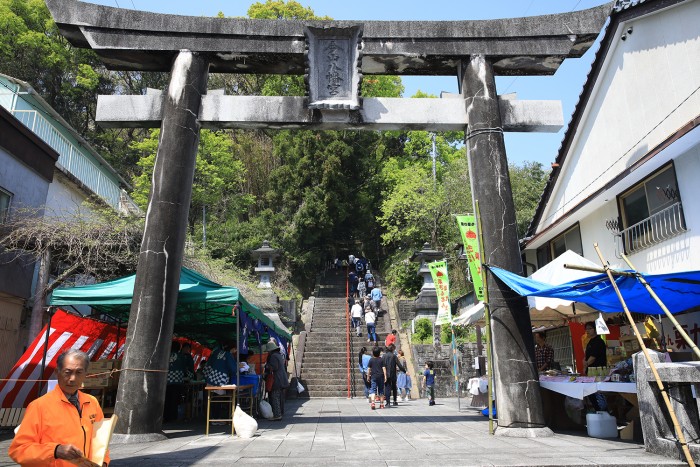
333, 56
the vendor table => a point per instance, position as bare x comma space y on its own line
559, 387
229, 398
584, 386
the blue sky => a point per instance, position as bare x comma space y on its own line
565, 85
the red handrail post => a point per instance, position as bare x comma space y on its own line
347, 327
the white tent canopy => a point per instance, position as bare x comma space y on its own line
543, 309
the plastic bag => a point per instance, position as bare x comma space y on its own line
600, 326
300, 387
245, 425
266, 409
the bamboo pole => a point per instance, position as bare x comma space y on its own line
656, 298
487, 317
644, 282
662, 389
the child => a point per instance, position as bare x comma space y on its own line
429, 382
376, 372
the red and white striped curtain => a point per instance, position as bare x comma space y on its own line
97, 339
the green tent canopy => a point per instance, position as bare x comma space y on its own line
204, 308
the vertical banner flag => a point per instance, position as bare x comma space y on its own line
467, 230
438, 271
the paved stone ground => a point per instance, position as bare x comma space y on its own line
347, 432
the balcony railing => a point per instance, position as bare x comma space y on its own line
655, 229
71, 157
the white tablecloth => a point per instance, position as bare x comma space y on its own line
581, 390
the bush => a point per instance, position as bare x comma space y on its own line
423, 332
463, 334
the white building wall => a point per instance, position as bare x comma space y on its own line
648, 89
64, 199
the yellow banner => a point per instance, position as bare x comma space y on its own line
470, 239
438, 271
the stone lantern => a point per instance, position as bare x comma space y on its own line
265, 255
426, 305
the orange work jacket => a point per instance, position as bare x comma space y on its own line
51, 420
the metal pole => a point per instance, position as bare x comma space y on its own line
434, 156
119, 327
347, 327
238, 342
455, 367
46, 349
487, 318
204, 226
652, 366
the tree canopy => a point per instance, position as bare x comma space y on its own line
314, 194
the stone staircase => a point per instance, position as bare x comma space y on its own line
324, 367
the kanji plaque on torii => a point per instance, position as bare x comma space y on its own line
334, 55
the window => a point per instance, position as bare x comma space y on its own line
569, 240
651, 211
5, 198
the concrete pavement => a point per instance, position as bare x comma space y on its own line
346, 432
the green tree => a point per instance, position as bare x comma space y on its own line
218, 180
527, 181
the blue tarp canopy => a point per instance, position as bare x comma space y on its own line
679, 291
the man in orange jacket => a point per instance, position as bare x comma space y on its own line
57, 427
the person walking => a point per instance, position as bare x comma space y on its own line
377, 374
356, 314
402, 377
376, 295
391, 363
363, 361
369, 281
370, 319
277, 365
429, 382
361, 289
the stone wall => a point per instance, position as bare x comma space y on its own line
406, 310
441, 355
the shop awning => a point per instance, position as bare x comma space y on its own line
204, 308
679, 291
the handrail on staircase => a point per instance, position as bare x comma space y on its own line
347, 327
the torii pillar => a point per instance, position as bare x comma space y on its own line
517, 382
158, 273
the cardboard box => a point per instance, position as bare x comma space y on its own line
101, 366
99, 382
627, 432
631, 346
627, 330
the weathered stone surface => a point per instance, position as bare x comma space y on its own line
659, 435
333, 75
384, 113
141, 391
444, 379
516, 380
532, 45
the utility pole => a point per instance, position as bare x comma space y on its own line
433, 155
